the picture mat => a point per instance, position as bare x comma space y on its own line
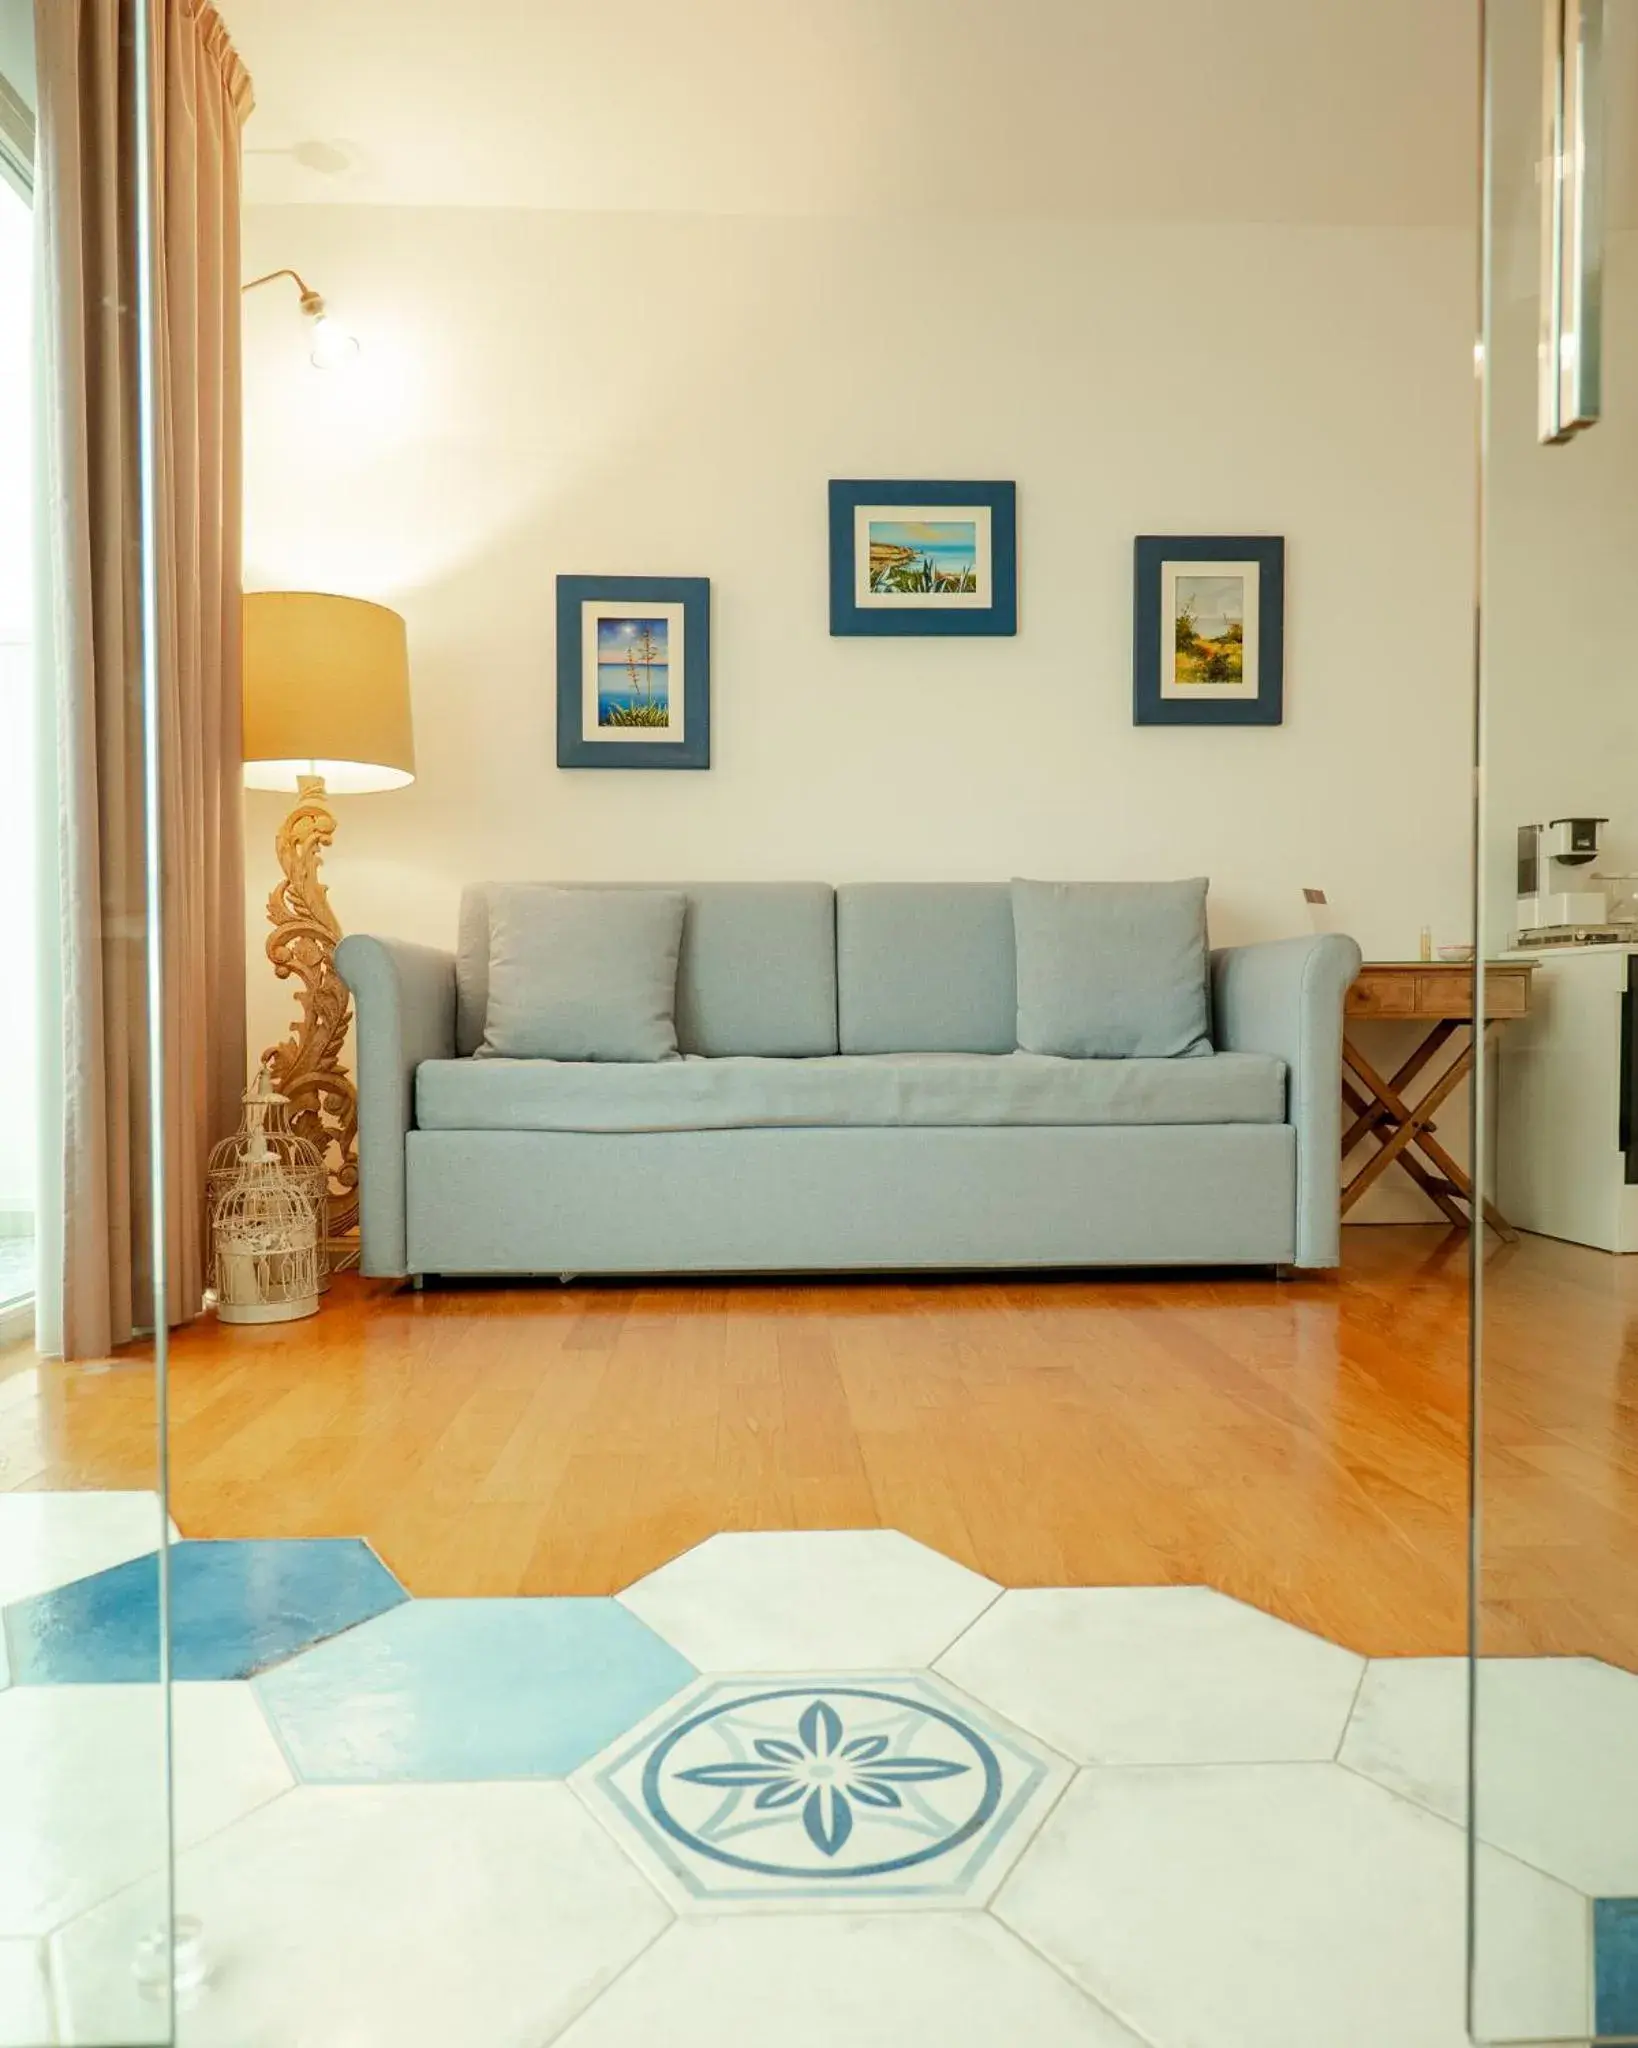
1250, 573
592, 612
866, 599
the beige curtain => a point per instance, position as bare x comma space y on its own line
85, 200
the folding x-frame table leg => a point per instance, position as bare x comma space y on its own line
1402, 1128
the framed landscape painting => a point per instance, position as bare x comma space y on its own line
633, 672
1208, 630
923, 558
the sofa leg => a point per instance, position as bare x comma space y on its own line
565, 1279
418, 1281
1287, 1272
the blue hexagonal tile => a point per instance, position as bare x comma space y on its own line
1615, 1965
467, 1689
236, 1608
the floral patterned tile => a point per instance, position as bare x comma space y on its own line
862, 1791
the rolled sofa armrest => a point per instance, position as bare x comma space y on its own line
405, 999
1285, 997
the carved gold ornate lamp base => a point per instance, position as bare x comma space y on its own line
307, 1064
327, 707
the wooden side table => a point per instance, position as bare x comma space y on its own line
1417, 992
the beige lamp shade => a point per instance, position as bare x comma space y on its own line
326, 693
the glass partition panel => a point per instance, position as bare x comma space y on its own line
85, 1822
560, 1631
1555, 1624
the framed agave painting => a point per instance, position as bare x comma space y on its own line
633, 672
924, 558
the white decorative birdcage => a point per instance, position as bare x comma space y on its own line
267, 1199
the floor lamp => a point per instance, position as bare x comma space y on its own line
326, 713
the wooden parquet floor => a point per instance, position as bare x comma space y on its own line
1302, 1445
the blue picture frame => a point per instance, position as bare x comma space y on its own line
874, 581
1231, 675
601, 722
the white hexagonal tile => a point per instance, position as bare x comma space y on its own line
810, 1600
957, 1979
797, 1794
1157, 1674
25, 2006
391, 1916
82, 1787
1557, 1756
47, 1539
1408, 1731
1277, 1905
1533, 1970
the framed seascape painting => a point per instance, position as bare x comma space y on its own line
1208, 631
926, 558
633, 672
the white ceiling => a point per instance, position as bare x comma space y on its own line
1358, 112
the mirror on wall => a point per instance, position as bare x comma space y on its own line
1555, 1627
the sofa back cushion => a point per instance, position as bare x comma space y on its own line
1112, 970
756, 975
926, 967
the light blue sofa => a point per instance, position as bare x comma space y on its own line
850, 1098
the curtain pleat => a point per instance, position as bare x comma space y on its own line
85, 199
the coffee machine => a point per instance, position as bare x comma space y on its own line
1556, 905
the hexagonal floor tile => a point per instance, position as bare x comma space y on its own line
957, 1979
810, 1600
781, 1792
1615, 1966
46, 1539
236, 1608
1277, 1905
1408, 1731
385, 1916
1557, 1759
467, 1689
25, 2006
1157, 1674
82, 1787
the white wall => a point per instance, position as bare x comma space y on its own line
544, 393
1561, 676
17, 811
1561, 523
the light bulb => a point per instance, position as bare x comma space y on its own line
330, 344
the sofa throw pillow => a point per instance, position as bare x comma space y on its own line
1112, 970
583, 974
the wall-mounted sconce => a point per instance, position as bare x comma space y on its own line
328, 342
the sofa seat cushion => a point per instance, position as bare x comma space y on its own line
874, 1090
